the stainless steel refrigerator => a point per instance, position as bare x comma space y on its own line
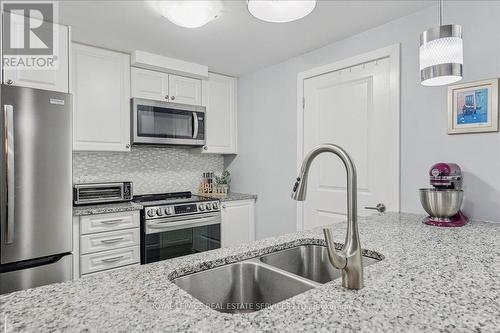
36, 188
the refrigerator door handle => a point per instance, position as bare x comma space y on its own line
9, 152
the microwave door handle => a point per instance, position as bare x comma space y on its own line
9, 152
195, 127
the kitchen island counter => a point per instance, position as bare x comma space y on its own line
432, 279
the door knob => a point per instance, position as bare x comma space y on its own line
379, 207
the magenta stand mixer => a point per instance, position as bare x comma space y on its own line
443, 202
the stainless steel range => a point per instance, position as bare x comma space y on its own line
178, 224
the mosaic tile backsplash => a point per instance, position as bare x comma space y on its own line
151, 169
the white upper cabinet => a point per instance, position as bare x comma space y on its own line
149, 84
101, 99
184, 90
219, 97
56, 79
165, 87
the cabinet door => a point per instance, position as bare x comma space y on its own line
184, 90
220, 101
56, 79
101, 101
238, 222
149, 84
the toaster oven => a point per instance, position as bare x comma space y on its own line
96, 193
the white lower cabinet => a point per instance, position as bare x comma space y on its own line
109, 240
103, 242
108, 222
91, 263
238, 222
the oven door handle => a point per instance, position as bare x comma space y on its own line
195, 125
155, 227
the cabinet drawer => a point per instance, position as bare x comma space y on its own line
100, 261
108, 222
109, 240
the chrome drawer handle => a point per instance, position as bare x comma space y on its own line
114, 259
112, 221
111, 240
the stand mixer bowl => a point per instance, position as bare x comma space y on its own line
440, 203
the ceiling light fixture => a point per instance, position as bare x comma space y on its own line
190, 14
280, 11
441, 53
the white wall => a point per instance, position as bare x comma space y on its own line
267, 138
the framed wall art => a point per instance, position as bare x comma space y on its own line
473, 107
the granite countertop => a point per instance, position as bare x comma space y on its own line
432, 279
106, 208
232, 196
127, 206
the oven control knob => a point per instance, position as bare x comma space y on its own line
168, 211
159, 212
208, 206
201, 207
215, 205
151, 212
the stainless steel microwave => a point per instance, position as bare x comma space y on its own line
164, 123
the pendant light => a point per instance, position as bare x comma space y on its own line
441, 53
280, 11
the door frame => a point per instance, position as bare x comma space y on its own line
391, 52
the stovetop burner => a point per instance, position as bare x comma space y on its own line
168, 198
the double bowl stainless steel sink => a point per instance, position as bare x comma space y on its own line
257, 283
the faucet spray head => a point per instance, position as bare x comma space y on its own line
299, 191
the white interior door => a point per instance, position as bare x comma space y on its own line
351, 108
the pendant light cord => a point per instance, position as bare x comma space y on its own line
440, 12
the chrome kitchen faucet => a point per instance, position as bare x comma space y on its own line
349, 259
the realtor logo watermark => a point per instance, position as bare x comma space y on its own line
30, 39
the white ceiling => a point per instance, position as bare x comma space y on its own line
236, 42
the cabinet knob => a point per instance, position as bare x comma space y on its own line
223, 206
127, 145
10, 81
205, 148
172, 98
166, 96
